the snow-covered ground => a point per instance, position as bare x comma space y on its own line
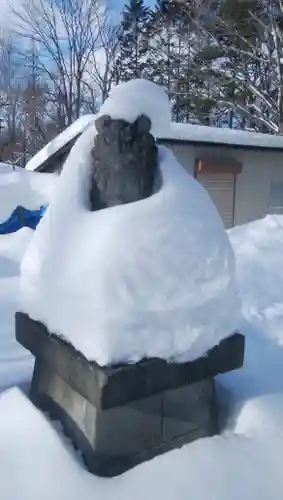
245, 462
15, 362
30, 190
36, 460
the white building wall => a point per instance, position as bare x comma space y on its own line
252, 188
185, 155
252, 194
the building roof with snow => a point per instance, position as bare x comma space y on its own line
201, 134
60, 145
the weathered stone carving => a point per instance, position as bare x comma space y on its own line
125, 159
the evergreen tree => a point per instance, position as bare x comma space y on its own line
132, 58
178, 44
220, 61
253, 46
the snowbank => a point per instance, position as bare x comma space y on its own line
15, 362
31, 190
60, 141
152, 278
34, 456
20, 188
131, 99
258, 247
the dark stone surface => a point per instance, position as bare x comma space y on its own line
120, 416
108, 387
115, 440
125, 159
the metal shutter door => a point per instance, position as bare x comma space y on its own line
221, 189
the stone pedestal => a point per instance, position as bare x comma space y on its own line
120, 416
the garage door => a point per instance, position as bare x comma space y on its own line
221, 189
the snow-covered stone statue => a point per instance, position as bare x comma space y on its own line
124, 162
154, 278
131, 263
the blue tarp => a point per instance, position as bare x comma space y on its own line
21, 217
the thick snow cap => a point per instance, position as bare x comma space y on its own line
154, 278
139, 97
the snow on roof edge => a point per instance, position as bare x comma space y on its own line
60, 141
187, 132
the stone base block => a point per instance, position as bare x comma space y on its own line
120, 416
110, 386
112, 441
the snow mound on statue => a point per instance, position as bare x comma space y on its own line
153, 278
138, 97
18, 187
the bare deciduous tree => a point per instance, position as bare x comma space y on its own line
10, 99
101, 67
66, 34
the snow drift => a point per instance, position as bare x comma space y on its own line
258, 249
245, 462
15, 362
18, 187
154, 278
31, 190
36, 463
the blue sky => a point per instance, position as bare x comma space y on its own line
5, 7
118, 4
115, 5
